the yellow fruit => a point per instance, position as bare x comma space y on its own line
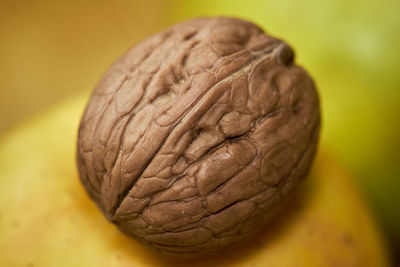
46, 218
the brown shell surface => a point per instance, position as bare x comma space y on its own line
194, 137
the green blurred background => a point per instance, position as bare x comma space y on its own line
50, 50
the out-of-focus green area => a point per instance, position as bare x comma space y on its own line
50, 49
352, 49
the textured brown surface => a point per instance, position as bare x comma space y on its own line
193, 138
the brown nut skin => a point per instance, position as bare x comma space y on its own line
194, 137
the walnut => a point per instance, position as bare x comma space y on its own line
194, 138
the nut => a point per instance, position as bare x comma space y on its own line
194, 138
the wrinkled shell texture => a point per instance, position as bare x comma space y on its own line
194, 137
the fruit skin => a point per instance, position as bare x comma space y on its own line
46, 219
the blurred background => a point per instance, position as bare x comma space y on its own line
50, 50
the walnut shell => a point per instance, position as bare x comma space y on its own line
192, 139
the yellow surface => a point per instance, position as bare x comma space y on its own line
52, 49
46, 219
